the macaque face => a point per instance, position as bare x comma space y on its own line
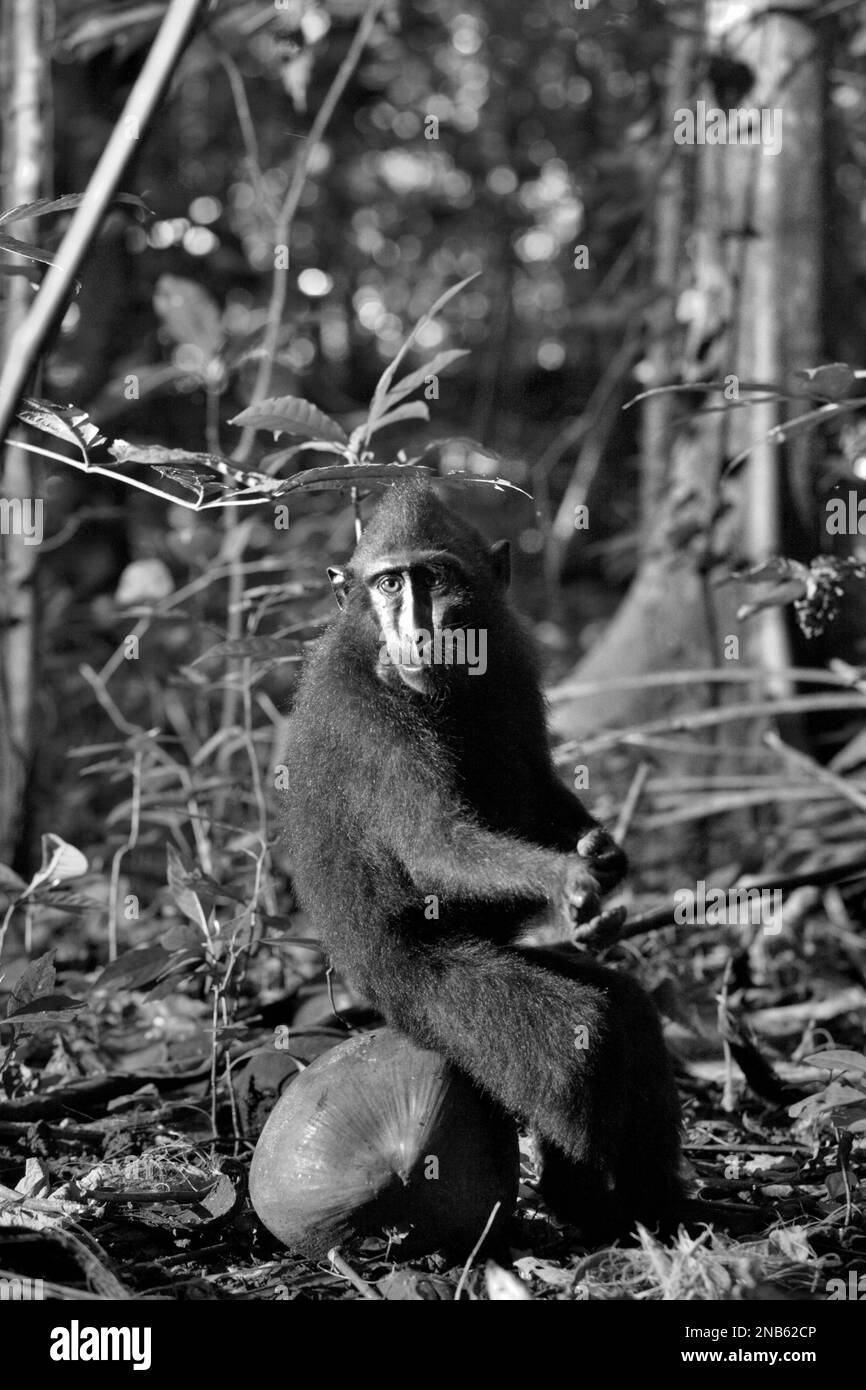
418, 602
426, 608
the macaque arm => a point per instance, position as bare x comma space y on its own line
465, 862
568, 813
445, 850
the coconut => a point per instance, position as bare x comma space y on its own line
377, 1137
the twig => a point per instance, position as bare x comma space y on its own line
659, 917
815, 771
728, 1092
245, 122
287, 212
97, 685
364, 1289
574, 690
129, 844
130, 481
274, 320
476, 1247
629, 806
708, 719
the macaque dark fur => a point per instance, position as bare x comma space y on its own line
395, 795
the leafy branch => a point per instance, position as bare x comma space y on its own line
211, 480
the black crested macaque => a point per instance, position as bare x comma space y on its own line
428, 827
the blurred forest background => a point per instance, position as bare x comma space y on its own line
703, 627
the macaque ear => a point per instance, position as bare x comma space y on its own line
339, 586
500, 558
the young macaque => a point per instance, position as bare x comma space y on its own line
429, 829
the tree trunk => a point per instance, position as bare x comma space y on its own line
751, 306
23, 84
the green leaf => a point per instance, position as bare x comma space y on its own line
291, 415
412, 410
28, 251
124, 452
46, 1004
38, 978
477, 480
73, 903
63, 421
271, 462
415, 379
182, 936
344, 475
43, 206
384, 382
142, 967
60, 862
833, 1096
837, 1059
196, 470
184, 896
189, 314
833, 379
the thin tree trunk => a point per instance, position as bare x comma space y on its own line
23, 88
673, 210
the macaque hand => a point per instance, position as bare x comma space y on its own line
581, 892
605, 860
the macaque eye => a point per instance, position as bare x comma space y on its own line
437, 577
389, 584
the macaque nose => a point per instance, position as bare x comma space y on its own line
418, 627
415, 646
